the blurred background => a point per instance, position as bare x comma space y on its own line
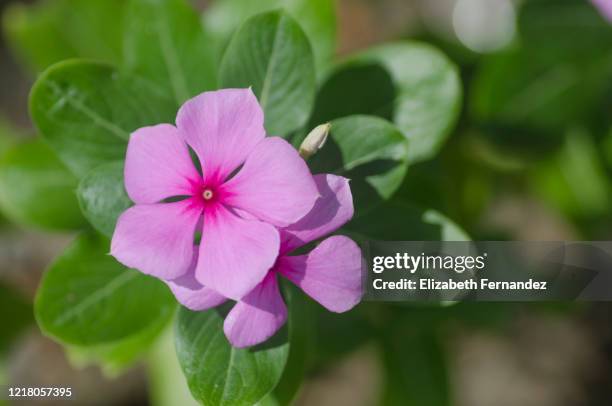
530, 159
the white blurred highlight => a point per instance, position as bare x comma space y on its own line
484, 25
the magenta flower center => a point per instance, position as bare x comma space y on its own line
208, 194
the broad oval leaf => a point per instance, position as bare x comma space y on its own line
271, 53
87, 298
219, 374
371, 152
86, 111
411, 83
165, 44
36, 189
102, 196
317, 17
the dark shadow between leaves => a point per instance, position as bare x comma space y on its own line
355, 89
394, 221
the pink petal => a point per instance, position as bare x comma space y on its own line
194, 296
235, 253
157, 239
222, 127
330, 212
274, 184
257, 316
330, 274
158, 165
190, 293
605, 7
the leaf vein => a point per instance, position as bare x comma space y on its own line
96, 296
97, 118
177, 77
267, 83
228, 374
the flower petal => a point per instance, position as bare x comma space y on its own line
157, 239
222, 127
605, 7
330, 274
330, 212
190, 293
257, 316
235, 253
274, 184
158, 165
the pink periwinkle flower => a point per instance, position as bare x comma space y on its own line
605, 8
249, 186
331, 273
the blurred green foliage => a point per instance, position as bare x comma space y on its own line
36, 189
53, 30
16, 315
554, 76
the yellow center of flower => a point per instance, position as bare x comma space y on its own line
207, 194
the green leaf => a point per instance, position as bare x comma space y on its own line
301, 323
412, 83
574, 180
86, 298
428, 98
102, 196
36, 189
401, 221
166, 44
355, 88
268, 401
115, 357
50, 31
317, 17
219, 374
271, 53
368, 150
86, 111
416, 369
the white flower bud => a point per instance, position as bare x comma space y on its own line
315, 140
